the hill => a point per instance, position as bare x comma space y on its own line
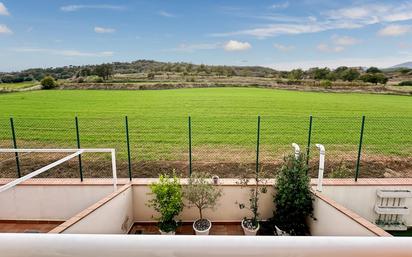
402, 65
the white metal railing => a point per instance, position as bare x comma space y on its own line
75, 152
70, 245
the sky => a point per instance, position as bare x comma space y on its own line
283, 34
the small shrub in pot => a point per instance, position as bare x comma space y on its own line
202, 194
167, 201
251, 224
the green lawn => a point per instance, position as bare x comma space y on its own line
224, 121
11, 86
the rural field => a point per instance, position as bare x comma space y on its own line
224, 125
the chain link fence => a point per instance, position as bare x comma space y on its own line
225, 146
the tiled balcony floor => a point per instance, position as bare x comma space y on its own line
27, 226
187, 229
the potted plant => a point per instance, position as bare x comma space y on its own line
167, 201
251, 225
202, 194
293, 199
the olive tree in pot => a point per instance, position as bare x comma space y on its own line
293, 199
167, 201
258, 186
202, 194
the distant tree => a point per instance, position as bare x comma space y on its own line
374, 78
373, 70
48, 82
85, 72
189, 67
296, 74
151, 75
404, 71
105, 71
341, 69
349, 75
318, 73
230, 72
332, 76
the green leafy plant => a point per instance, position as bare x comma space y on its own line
167, 201
293, 198
259, 187
48, 82
326, 83
405, 83
201, 193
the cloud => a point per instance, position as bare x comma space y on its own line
166, 14
283, 48
344, 40
233, 45
344, 18
3, 10
374, 13
194, 47
394, 30
5, 30
280, 5
68, 53
329, 49
103, 30
73, 8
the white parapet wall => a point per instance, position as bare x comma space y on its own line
49, 199
93, 208
48, 245
332, 219
361, 196
111, 215
226, 210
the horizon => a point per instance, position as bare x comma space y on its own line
282, 35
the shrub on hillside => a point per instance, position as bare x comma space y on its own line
375, 78
405, 83
48, 82
326, 83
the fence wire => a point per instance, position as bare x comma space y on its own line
224, 146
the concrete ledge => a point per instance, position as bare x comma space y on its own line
222, 181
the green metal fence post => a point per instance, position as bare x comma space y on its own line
309, 138
128, 147
78, 146
190, 146
257, 145
360, 149
13, 133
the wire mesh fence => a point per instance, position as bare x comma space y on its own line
225, 146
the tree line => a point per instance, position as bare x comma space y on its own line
105, 71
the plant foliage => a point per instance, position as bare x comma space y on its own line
259, 187
48, 82
201, 193
293, 198
167, 201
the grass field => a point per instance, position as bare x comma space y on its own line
14, 86
224, 122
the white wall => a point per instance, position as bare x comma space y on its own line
331, 222
48, 202
113, 217
362, 199
226, 210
